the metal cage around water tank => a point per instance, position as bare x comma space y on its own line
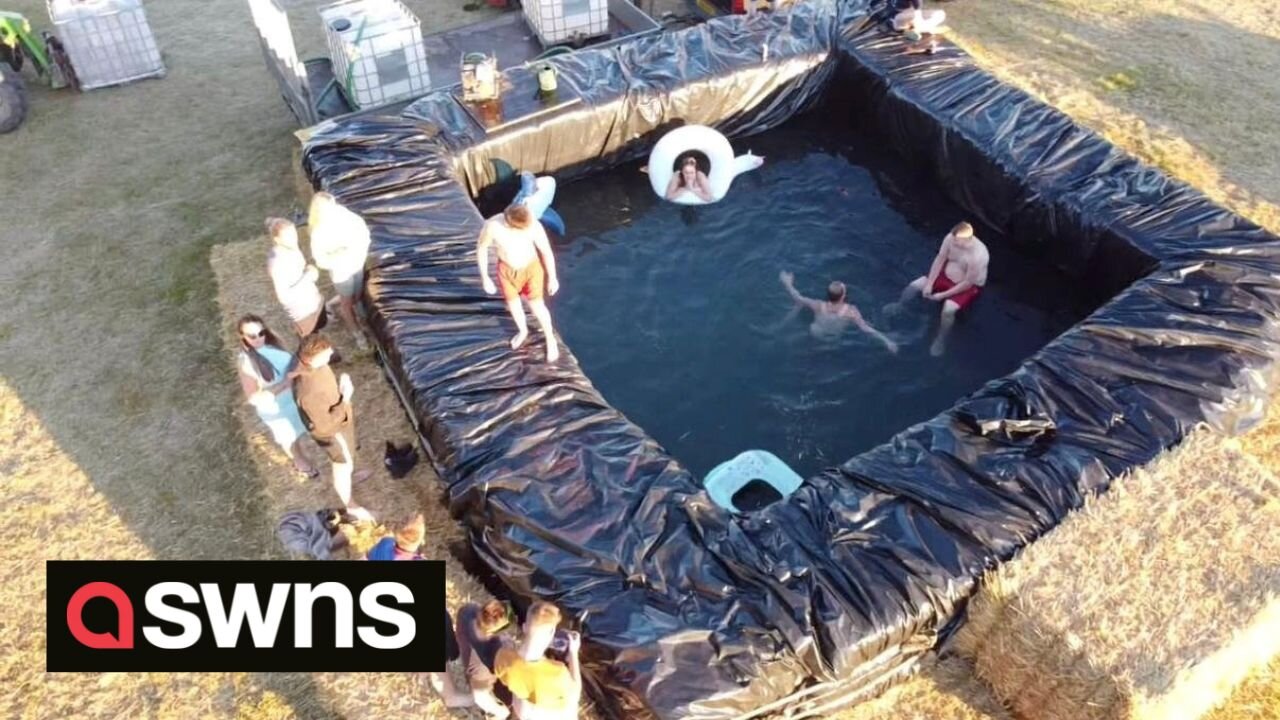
109, 41
377, 51
566, 21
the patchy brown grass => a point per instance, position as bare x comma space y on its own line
1187, 85
1152, 602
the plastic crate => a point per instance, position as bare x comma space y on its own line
558, 21
109, 41
378, 54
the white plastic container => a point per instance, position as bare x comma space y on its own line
558, 21
109, 41
377, 51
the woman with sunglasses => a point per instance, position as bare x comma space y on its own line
264, 367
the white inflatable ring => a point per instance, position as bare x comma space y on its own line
700, 138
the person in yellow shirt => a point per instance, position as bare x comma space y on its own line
541, 688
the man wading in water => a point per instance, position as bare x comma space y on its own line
955, 279
830, 318
525, 265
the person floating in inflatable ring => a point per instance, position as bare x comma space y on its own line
690, 178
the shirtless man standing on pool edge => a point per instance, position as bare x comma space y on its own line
525, 265
955, 279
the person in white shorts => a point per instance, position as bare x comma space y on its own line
340, 244
293, 279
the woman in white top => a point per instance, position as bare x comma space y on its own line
264, 367
293, 279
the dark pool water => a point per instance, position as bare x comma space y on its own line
679, 319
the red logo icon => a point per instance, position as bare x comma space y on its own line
123, 639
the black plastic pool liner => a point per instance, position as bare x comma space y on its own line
692, 613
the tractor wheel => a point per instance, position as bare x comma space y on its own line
61, 61
13, 99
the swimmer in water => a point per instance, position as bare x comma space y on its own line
832, 316
689, 178
955, 279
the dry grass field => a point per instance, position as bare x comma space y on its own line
132, 237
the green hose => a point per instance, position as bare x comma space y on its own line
553, 51
351, 65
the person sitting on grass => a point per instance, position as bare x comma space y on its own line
406, 544
542, 688
324, 403
832, 316
479, 643
340, 244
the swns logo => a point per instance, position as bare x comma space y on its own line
149, 616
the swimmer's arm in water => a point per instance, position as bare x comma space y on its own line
939, 262
856, 318
702, 187
543, 246
482, 258
788, 281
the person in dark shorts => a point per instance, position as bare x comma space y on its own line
324, 402
479, 643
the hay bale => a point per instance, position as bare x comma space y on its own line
1153, 602
945, 689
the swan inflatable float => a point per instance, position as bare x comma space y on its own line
536, 193
698, 138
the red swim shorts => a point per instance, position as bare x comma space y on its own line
527, 281
964, 299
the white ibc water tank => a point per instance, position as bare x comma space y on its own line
558, 21
109, 41
377, 51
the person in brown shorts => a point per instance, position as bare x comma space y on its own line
324, 402
526, 268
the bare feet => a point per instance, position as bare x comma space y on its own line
360, 513
891, 309
553, 350
938, 347
519, 339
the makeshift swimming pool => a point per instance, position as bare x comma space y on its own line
689, 611
679, 319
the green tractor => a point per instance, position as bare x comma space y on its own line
17, 48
